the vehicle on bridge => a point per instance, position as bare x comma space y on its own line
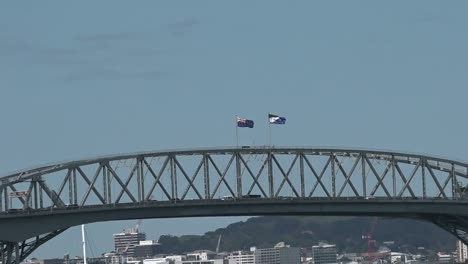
251, 196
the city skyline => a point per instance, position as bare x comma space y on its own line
87, 79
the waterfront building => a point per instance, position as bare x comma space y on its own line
68, 260
324, 254
201, 255
125, 242
146, 249
209, 261
280, 254
132, 261
462, 252
112, 258
191, 258
47, 261
445, 258
398, 257
242, 257
156, 261
175, 258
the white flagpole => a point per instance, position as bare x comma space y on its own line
237, 134
269, 130
84, 244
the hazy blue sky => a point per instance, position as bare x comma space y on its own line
81, 79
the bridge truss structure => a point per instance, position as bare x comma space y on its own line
40, 203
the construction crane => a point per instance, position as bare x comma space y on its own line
219, 242
137, 226
368, 236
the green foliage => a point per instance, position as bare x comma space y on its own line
305, 231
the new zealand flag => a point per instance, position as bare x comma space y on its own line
242, 122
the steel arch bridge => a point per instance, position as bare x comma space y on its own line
38, 204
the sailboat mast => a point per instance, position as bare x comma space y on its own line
84, 244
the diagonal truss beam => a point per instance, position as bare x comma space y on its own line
446, 182
190, 180
348, 176
318, 177
407, 183
157, 178
65, 180
222, 176
52, 195
379, 178
92, 187
286, 175
431, 172
255, 178
123, 185
83, 175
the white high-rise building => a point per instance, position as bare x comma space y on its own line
462, 252
125, 242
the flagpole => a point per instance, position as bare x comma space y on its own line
237, 134
269, 130
84, 243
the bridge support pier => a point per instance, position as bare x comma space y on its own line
7, 250
16, 252
456, 225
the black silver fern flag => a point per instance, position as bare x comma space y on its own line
274, 119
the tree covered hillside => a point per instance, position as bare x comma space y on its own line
305, 231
